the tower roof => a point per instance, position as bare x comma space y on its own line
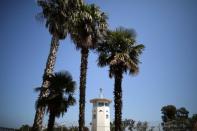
100, 100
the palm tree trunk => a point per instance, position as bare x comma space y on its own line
37, 125
51, 122
118, 101
83, 73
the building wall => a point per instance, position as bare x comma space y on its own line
101, 118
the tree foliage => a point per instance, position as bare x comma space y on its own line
89, 24
60, 97
57, 15
177, 119
169, 113
120, 51
141, 126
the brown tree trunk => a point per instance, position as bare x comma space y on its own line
37, 125
118, 101
51, 122
83, 73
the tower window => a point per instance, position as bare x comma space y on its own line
100, 104
107, 116
106, 104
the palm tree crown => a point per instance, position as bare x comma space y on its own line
89, 27
60, 97
61, 91
120, 51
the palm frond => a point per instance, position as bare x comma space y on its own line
89, 26
120, 52
102, 60
54, 12
61, 93
38, 89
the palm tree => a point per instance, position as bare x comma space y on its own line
121, 53
60, 97
88, 29
56, 14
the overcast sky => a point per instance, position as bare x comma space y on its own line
167, 75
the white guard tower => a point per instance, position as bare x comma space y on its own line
100, 113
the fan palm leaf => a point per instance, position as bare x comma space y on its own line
60, 97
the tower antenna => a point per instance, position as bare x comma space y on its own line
101, 93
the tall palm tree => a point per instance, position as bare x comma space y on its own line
121, 53
89, 28
60, 97
56, 14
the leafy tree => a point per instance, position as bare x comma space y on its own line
85, 33
57, 14
169, 113
193, 121
176, 119
182, 113
141, 126
182, 118
121, 53
59, 129
138, 126
60, 97
76, 128
128, 123
112, 126
25, 128
151, 128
